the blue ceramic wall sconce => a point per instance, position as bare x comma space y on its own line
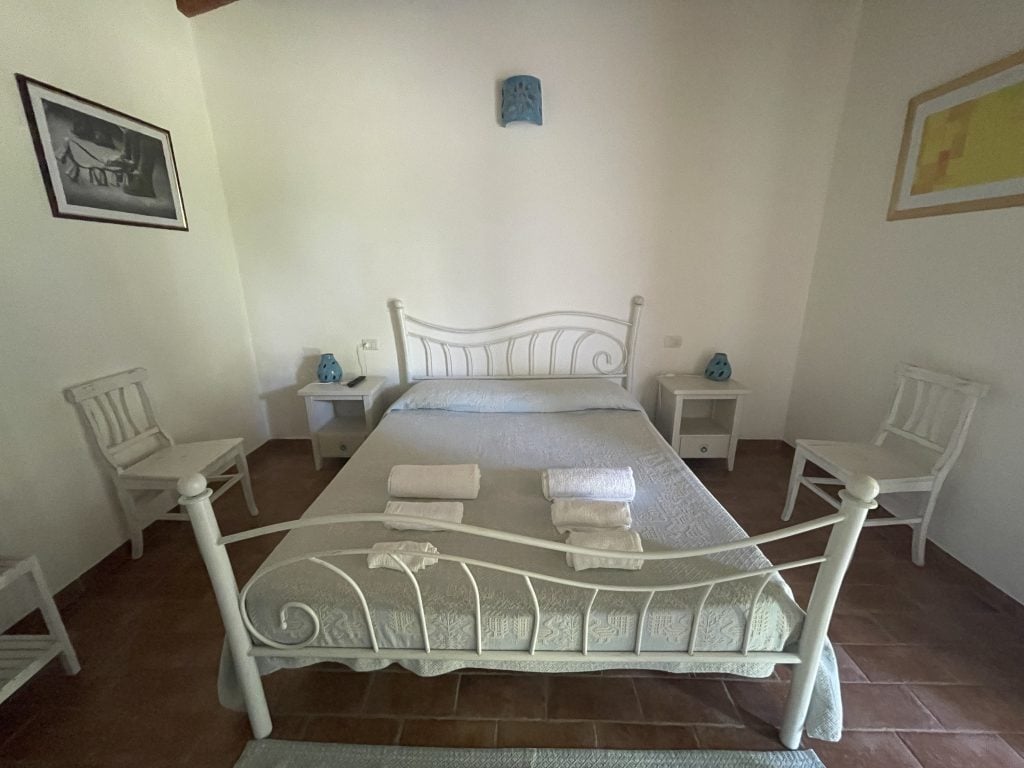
520, 100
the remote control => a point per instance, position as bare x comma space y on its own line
357, 380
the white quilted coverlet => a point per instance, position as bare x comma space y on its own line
672, 510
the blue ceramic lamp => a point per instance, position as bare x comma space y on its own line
718, 368
329, 369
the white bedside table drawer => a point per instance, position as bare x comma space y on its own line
338, 445
704, 446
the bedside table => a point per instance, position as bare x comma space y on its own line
700, 418
340, 417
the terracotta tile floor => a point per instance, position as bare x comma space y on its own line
931, 660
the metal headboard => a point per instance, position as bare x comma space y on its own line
559, 344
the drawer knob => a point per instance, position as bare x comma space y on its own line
343, 447
703, 449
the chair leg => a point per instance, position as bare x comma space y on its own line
131, 517
54, 623
921, 529
795, 474
243, 469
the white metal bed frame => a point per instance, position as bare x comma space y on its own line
247, 644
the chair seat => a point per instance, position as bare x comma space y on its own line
844, 460
180, 460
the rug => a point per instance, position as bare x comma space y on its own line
270, 753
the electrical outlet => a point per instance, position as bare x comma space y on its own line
672, 342
370, 345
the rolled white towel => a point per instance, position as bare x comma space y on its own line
609, 484
383, 557
620, 541
448, 511
434, 481
572, 514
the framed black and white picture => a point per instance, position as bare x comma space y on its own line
99, 164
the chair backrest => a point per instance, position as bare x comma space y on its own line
932, 410
120, 416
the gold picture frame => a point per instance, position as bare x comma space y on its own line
963, 145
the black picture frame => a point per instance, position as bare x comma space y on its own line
100, 164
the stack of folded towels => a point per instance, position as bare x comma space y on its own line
592, 506
423, 481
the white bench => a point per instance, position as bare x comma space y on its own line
21, 656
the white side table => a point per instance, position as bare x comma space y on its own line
700, 418
340, 417
21, 656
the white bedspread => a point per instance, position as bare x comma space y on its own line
672, 510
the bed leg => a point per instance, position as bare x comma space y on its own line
857, 498
195, 497
800, 689
252, 691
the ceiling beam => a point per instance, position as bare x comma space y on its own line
195, 7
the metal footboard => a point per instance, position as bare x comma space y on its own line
247, 643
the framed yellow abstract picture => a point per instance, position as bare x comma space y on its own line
963, 145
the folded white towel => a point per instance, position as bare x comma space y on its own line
610, 484
448, 511
574, 514
620, 541
434, 481
383, 557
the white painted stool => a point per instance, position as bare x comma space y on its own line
21, 656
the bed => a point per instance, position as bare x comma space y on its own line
544, 391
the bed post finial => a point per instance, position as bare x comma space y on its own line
863, 489
636, 306
191, 486
397, 309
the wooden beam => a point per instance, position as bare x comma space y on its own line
196, 7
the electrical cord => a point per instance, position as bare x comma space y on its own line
359, 359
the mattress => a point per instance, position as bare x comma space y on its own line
514, 430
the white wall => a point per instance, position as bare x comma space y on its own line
81, 299
943, 291
684, 156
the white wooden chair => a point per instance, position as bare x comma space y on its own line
912, 453
143, 457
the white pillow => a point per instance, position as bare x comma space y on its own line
516, 396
